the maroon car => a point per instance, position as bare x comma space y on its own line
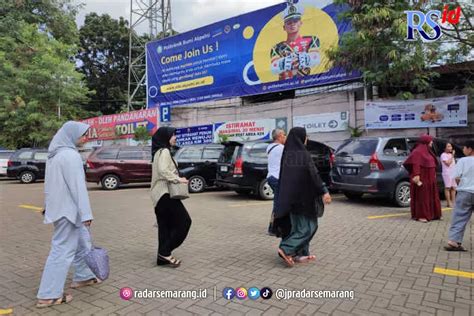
113, 166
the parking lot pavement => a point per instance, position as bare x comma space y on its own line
369, 247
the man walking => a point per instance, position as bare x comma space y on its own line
275, 152
464, 206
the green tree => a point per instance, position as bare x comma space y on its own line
377, 47
56, 17
37, 79
460, 36
103, 59
141, 135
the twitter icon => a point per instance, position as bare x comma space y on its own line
254, 293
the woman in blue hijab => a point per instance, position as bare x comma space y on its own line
67, 207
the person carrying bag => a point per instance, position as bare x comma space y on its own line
67, 207
167, 191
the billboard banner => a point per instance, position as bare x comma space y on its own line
323, 123
439, 112
247, 130
282, 47
195, 135
121, 126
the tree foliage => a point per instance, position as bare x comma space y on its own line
377, 47
103, 59
141, 135
57, 17
37, 73
461, 36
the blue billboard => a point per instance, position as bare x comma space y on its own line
282, 47
195, 135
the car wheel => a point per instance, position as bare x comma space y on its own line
243, 192
110, 182
27, 177
265, 192
401, 196
353, 195
196, 184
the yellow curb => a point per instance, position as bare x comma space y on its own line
6, 311
401, 214
388, 215
31, 207
455, 273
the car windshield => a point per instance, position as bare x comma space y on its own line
227, 154
363, 147
5, 155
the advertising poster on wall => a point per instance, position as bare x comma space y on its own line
282, 47
246, 130
323, 123
195, 135
439, 112
121, 126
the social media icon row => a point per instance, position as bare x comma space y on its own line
252, 293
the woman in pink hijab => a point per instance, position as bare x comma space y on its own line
421, 164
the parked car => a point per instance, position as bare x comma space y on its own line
243, 166
28, 164
375, 165
4, 157
116, 165
199, 165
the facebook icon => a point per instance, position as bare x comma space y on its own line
228, 293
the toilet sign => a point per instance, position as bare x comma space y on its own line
323, 122
122, 125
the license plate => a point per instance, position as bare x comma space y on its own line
350, 171
224, 168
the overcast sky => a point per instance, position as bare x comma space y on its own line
186, 14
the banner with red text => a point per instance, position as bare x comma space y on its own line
120, 126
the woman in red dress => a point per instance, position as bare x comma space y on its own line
421, 164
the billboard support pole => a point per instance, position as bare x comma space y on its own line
365, 102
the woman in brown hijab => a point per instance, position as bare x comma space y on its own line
421, 164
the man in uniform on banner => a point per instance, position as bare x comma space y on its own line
294, 57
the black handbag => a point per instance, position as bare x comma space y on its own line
319, 206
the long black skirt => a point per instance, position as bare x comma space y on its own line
173, 224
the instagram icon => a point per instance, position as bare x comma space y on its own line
241, 293
126, 293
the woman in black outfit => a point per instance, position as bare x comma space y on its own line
171, 215
301, 199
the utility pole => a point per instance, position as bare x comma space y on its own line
157, 14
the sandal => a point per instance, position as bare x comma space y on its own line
422, 220
450, 247
67, 298
304, 259
289, 260
169, 261
78, 285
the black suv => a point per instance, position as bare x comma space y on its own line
243, 167
375, 165
199, 165
28, 164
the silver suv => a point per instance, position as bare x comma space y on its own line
375, 165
